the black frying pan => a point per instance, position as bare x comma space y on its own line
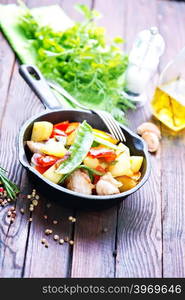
55, 114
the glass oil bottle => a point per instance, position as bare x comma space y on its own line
168, 103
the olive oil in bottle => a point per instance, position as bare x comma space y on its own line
168, 104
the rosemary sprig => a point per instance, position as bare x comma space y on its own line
10, 187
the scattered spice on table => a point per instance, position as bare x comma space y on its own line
33, 198
22, 211
48, 231
43, 241
71, 242
61, 241
56, 237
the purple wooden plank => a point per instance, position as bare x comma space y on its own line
93, 250
53, 261
35, 3
139, 245
17, 111
111, 17
171, 19
69, 8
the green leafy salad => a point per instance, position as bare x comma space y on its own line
80, 60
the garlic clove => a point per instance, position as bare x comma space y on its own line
148, 127
152, 141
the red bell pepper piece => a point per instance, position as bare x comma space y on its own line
46, 160
41, 170
72, 127
62, 126
100, 169
57, 132
108, 155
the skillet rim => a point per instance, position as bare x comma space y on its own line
67, 191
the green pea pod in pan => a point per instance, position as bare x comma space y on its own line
79, 149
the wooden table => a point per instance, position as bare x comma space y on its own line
144, 236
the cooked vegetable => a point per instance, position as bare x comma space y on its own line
59, 129
104, 135
91, 162
46, 160
41, 131
71, 138
72, 157
51, 174
127, 183
72, 127
108, 155
104, 142
54, 148
136, 176
79, 150
63, 126
71, 132
122, 148
80, 60
136, 163
35, 147
122, 166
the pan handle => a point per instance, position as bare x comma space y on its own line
38, 84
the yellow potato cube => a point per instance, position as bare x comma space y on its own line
122, 166
54, 148
127, 183
122, 148
71, 138
51, 175
91, 162
41, 131
136, 163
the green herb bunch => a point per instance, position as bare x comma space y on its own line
10, 187
80, 60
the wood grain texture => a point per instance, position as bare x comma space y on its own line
112, 17
35, 3
53, 261
139, 244
172, 157
69, 8
147, 230
12, 256
93, 250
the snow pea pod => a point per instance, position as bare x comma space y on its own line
79, 149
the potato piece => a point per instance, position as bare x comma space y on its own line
122, 166
41, 131
136, 176
51, 175
127, 183
136, 163
71, 138
91, 162
122, 148
54, 148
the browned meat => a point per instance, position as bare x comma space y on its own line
107, 185
80, 182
